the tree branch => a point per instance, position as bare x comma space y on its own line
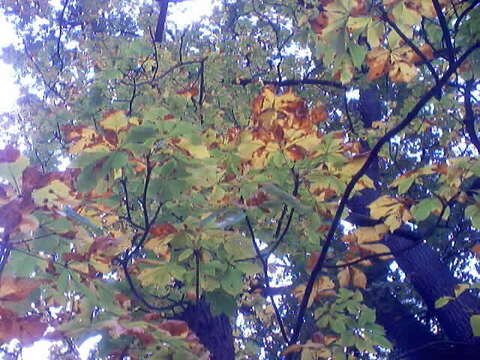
469, 119
372, 156
293, 82
162, 17
266, 276
446, 32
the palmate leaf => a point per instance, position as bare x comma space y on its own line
204, 165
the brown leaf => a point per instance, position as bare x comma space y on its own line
175, 327
257, 199
296, 152
319, 23
359, 8
26, 329
312, 260
18, 289
318, 114
378, 61
10, 216
344, 277
163, 230
9, 154
358, 278
189, 91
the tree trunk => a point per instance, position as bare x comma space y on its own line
214, 332
432, 279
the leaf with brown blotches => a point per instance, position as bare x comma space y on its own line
18, 289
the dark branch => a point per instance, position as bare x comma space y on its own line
371, 158
293, 82
162, 17
139, 296
470, 116
446, 32
266, 277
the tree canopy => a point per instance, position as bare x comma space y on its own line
290, 179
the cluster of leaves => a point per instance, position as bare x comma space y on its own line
197, 177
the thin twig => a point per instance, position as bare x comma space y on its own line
266, 277
293, 82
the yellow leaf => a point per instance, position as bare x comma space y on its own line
402, 71
393, 210
116, 121
80, 267
358, 23
378, 61
358, 278
55, 194
377, 249
368, 234
197, 151
315, 351
83, 139
344, 277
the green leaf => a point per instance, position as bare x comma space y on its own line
185, 254
221, 302
358, 53
442, 301
337, 325
249, 268
116, 160
475, 324
424, 208
12, 171
140, 134
473, 212
367, 316
232, 282
405, 184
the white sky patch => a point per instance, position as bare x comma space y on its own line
9, 91
188, 12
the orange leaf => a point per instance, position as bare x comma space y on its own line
476, 250
378, 61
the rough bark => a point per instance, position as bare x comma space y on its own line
214, 332
432, 279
